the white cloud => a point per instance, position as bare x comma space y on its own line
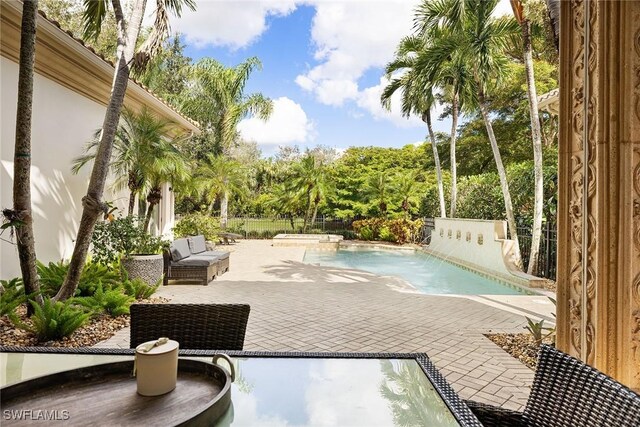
369, 100
503, 8
288, 124
350, 38
229, 23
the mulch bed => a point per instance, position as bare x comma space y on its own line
97, 329
521, 346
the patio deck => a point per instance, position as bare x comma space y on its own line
299, 307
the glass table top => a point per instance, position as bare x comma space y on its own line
294, 391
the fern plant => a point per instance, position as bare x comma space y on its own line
52, 275
114, 301
138, 289
11, 296
54, 320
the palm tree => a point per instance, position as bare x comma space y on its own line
417, 96
378, 187
287, 201
520, 13
405, 187
432, 20
219, 177
137, 139
169, 165
128, 31
472, 32
21, 216
216, 99
310, 183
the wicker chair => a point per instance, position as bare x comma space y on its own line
566, 392
194, 326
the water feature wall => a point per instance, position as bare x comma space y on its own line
479, 245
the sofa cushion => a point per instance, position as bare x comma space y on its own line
196, 261
216, 254
179, 249
197, 244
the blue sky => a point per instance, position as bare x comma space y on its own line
323, 64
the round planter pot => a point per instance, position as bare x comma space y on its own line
149, 268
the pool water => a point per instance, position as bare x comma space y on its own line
428, 274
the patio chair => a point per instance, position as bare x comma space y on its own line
194, 326
567, 392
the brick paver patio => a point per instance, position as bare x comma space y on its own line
299, 307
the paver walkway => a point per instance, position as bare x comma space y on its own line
300, 307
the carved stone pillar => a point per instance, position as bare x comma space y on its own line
599, 173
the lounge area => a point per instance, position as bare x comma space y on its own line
188, 259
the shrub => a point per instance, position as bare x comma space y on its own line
138, 289
372, 224
197, 223
11, 297
366, 233
123, 237
391, 230
52, 275
114, 302
404, 230
387, 235
54, 320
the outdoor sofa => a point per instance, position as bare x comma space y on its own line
189, 259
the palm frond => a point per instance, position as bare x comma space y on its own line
94, 12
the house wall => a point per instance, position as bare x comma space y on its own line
62, 122
71, 90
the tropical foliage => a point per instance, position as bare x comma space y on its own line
113, 302
54, 320
197, 223
52, 276
123, 237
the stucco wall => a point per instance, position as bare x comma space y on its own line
63, 121
480, 245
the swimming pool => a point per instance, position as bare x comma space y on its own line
429, 275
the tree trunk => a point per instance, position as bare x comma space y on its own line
224, 206
22, 156
147, 217
454, 166
307, 213
426, 117
92, 203
315, 213
134, 189
504, 184
537, 148
132, 202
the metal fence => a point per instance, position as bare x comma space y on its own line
256, 227
547, 256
